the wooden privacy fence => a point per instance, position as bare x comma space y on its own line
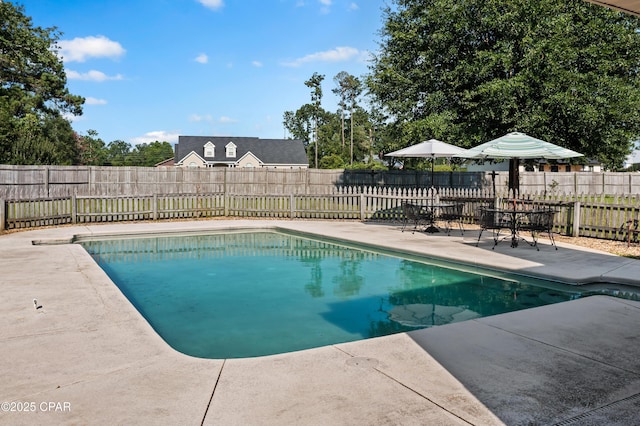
31, 182
607, 217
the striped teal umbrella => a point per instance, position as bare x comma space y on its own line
519, 145
515, 146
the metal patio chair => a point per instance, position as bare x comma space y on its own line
415, 215
493, 220
537, 222
450, 214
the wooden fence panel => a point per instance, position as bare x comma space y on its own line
30, 182
596, 216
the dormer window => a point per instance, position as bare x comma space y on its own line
231, 150
209, 149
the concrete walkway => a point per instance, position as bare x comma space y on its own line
86, 356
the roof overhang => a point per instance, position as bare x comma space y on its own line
631, 7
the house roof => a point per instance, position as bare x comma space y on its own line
165, 163
629, 6
269, 151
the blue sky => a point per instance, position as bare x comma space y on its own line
156, 69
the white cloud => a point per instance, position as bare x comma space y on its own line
325, 9
73, 118
80, 49
354, 6
257, 64
94, 101
92, 75
158, 135
202, 58
212, 4
209, 119
339, 54
198, 118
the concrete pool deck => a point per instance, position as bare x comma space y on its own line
84, 355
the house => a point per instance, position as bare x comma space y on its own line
591, 165
169, 162
233, 151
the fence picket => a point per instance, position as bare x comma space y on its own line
595, 216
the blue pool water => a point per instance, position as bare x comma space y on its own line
242, 294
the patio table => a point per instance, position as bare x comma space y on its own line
516, 217
433, 209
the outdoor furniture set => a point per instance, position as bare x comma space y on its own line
428, 216
504, 223
517, 220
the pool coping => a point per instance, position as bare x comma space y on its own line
86, 341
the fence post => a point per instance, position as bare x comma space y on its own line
46, 181
576, 219
362, 206
74, 209
155, 206
292, 201
3, 214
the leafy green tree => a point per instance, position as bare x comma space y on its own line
117, 153
348, 88
148, 155
315, 84
34, 99
467, 71
93, 151
341, 80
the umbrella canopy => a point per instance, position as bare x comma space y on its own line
518, 145
432, 148
424, 315
515, 146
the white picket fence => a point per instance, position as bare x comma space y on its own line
599, 216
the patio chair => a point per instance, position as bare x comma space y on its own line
494, 221
414, 214
451, 214
539, 221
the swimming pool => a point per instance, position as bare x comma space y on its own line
247, 294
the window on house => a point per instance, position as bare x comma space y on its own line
231, 150
209, 149
193, 164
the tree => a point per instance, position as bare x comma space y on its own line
468, 71
341, 80
148, 155
93, 151
316, 100
33, 94
117, 153
353, 91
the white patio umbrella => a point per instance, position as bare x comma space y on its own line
432, 148
515, 146
424, 315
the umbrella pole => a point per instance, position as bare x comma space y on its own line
432, 228
514, 177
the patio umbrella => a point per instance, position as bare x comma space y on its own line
432, 148
424, 315
515, 146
